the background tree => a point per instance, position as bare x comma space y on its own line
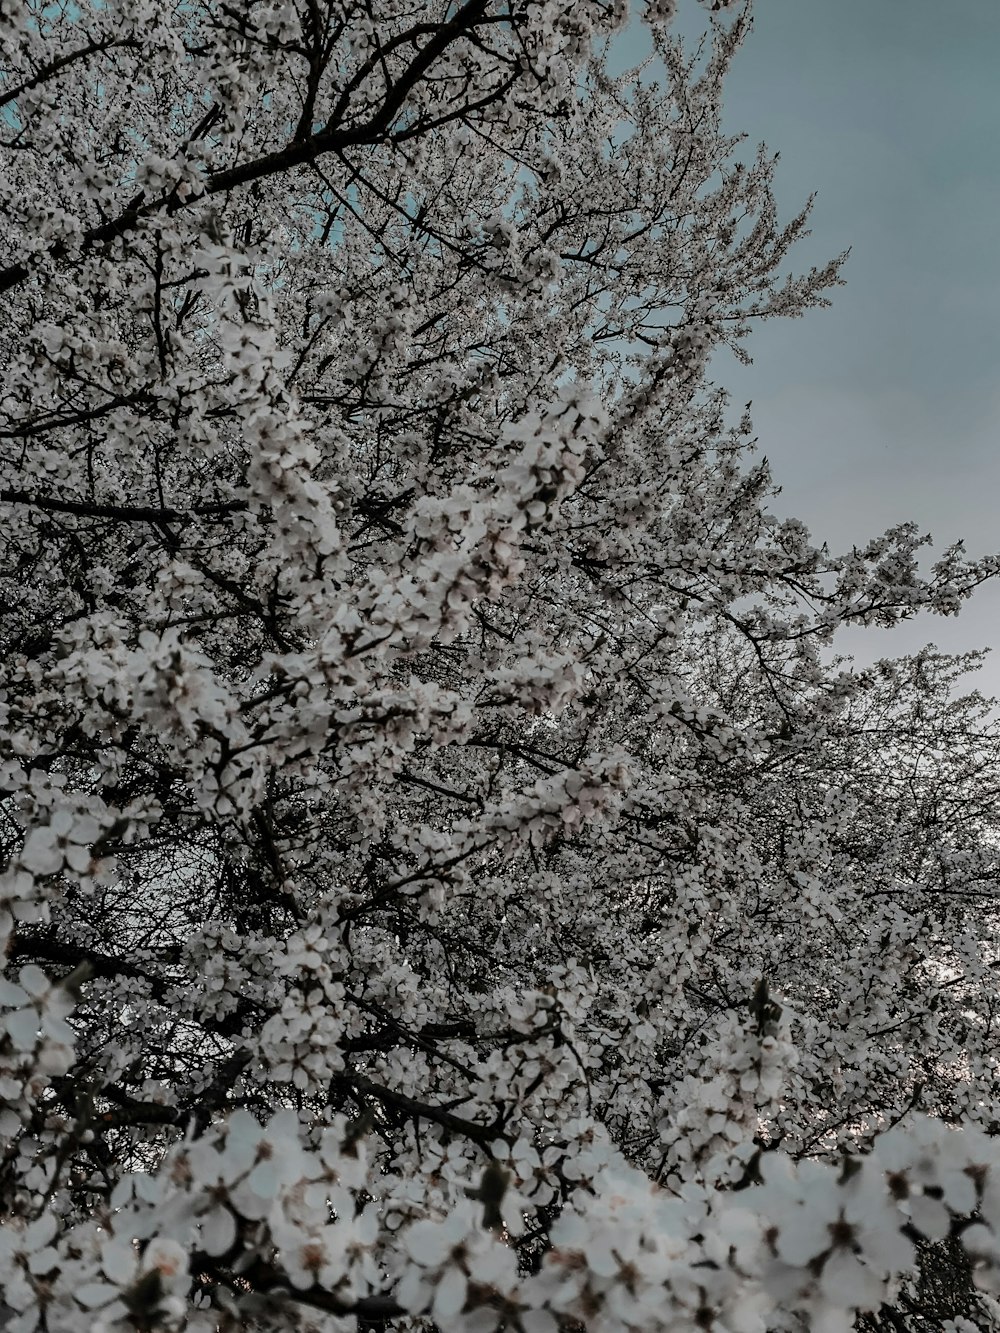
446, 881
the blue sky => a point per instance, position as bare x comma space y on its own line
886, 407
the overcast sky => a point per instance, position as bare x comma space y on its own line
886, 407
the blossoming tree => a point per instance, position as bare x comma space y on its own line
444, 881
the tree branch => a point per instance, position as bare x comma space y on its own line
121, 513
295, 153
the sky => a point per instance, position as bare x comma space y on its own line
885, 408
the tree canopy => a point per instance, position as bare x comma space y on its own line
448, 881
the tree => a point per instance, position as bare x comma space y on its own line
446, 881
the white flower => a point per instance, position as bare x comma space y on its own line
65, 841
167, 1257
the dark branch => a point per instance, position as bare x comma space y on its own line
294, 154
121, 513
